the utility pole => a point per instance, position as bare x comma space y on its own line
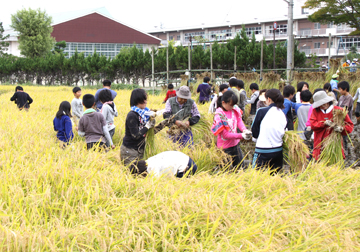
274, 66
152, 68
262, 58
235, 60
211, 61
190, 57
290, 44
329, 50
167, 64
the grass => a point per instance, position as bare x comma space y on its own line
76, 200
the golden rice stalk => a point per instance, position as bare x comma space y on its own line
296, 151
150, 142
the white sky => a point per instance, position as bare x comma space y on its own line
145, 14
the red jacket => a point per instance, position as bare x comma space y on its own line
321, 131
170, 94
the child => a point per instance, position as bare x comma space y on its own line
302, 111
328, 90
213, 106
170, 93
136, 126
269, 128
234, 88
301, 86
345, 100
261, 103
77, 106
242, 95
93, 126
108, 110
226, 122
62, 124
357, 110
334, 84
205, 90
254, 98
321, 119
170, 163
22, 99
288, 93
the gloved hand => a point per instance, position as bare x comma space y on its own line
160, 112
246, 136
328, 123
150, 113
339, 129
308, 128
150, 124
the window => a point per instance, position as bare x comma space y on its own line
171, 37
194, 34
220, 34
251, 30
330, 25
304, 11
281, 29
349, 42
327, 44
178, 37
317, 26
317, 45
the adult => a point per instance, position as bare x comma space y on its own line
205, 90
301, 86
106, 85
179, 109
353, 66
334, 84
321, 120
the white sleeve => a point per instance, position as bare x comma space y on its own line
212, 104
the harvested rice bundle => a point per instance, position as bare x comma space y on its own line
296, 151
331, 152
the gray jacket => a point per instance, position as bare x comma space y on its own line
109, 113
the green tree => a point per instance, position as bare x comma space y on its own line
34, 27
337, 11
3, 44
60, 47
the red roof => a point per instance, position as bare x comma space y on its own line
96, 28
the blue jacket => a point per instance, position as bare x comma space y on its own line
63, 127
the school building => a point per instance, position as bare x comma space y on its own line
90, 30
313, 38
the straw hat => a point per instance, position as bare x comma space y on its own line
334, 76
321, 98
183, 92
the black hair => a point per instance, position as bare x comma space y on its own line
240, 84
19, 88
107, 83
76, 89
170, 86
233, 82
305, 95
64, 109
317, 90
344, 85
138, 96
228, 97
288, 90
88, 100
223, 87
327, 87
206, 79
262, 91
138, 167
105, 96
254, 86
276, 97
301, 84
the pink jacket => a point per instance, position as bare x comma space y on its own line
307, 124
225, 127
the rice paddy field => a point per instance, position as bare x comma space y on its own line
78, 200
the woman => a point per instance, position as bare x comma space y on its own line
301, 86
268, 129
321, 119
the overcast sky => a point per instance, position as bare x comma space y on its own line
146, 14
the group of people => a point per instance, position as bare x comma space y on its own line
272, 114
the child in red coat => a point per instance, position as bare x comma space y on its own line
321, 119
170, 93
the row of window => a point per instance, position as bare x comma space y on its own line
109, 50
350, 42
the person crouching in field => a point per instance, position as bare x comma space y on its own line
321, 121
62, 124
181, 108
168, 163
227, 120
22, 99
108, 110
93, 126
268, 129
137, 124
77, 106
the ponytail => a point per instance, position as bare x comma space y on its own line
276, 97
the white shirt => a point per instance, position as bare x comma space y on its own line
167, 163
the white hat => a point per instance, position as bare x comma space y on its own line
321, 98
183, 92
262, 97
355, 59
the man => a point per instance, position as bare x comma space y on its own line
205, 90
179, 109
106, 85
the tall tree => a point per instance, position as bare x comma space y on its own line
34, 27
3, 44
337, 11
